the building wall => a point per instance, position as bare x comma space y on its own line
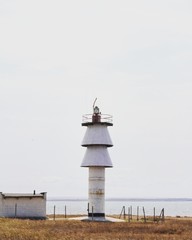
22, 207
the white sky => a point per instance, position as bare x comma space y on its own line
57, 56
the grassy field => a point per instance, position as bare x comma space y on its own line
14, 229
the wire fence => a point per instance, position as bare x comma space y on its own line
140, 214
127, 213
131, 210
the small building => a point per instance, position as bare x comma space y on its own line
16, 205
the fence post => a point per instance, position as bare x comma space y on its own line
131, 212
137, 213
123, 210
65, 211
154, 214
88, 209
144, 214
92, 213
163, 215
54, 212
15, 210
128, 214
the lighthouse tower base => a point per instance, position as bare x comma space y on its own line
97, 219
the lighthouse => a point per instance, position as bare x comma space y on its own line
97, 141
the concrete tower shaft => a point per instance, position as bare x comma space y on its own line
96, 191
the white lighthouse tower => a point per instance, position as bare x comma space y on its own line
96, 158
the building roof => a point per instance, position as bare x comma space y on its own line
22, 195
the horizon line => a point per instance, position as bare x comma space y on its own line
122, 199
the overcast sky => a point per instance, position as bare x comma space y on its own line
57, 56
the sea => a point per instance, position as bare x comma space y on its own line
175, 207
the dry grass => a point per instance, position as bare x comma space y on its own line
13, 229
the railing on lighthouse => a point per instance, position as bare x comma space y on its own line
97, 117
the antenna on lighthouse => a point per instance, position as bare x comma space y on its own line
94, 104
96, 117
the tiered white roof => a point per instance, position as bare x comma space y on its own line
97, 134
96, 156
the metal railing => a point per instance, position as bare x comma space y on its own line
104, 118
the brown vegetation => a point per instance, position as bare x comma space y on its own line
13, 229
